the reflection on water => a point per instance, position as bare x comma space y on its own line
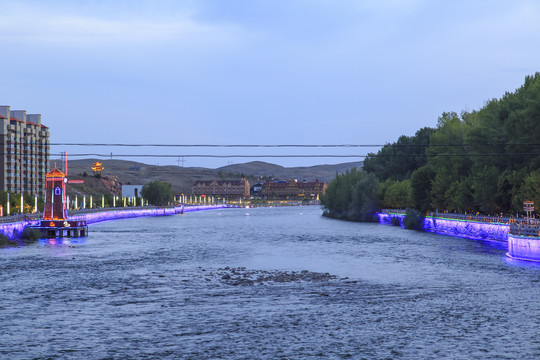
62, 241
522, 263
277, 283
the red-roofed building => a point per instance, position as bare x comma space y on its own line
227, 189
293, 190
24, 152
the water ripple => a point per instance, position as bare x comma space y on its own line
274, 285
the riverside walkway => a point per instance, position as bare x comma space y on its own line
492, 219
519, 226
10, 226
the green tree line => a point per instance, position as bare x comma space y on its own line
485, 161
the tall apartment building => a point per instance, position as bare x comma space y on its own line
24, 152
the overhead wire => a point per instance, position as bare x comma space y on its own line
111, 156
285, 145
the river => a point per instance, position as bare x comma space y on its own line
266, 283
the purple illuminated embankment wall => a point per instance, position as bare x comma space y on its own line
96, 217
464, 228
469, 229
524, 247
12, 229
519, 246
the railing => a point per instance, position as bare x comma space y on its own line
20, 217
394, 211
468, 217
478, 218
96, 210
526, 227
518, 226
74, 213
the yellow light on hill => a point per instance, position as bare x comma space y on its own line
97, 166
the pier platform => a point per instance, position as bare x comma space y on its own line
62, 228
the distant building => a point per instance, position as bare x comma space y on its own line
293, 189
221, 188
24, 152
256, 190
131, 191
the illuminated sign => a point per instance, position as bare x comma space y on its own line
97, 166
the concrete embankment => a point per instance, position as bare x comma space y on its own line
523, 236
95, 217
11, 229
467, 226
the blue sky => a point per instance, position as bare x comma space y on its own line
258, 72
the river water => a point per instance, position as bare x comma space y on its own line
268, 283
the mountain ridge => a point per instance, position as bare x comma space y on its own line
181, 178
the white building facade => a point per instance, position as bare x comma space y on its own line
24, 152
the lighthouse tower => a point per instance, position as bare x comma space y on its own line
55, 196
55, 223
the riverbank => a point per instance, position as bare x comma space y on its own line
92, 216
523, 238
469, 226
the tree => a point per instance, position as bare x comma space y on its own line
460, 195
508, 187
451, 131
352, 196
365, 202
158, 193
439, 189
485, 160
484, 184
398, 194
530, 190
421, 181
398, 160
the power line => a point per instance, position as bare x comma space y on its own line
287, 145
293, 155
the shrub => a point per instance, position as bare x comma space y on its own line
395, 220
5, 241
30, 234
413, 220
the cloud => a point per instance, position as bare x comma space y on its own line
401, 7
24, 25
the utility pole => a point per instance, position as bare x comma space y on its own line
181, 161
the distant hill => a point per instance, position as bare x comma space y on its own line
259, 168
181, 178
